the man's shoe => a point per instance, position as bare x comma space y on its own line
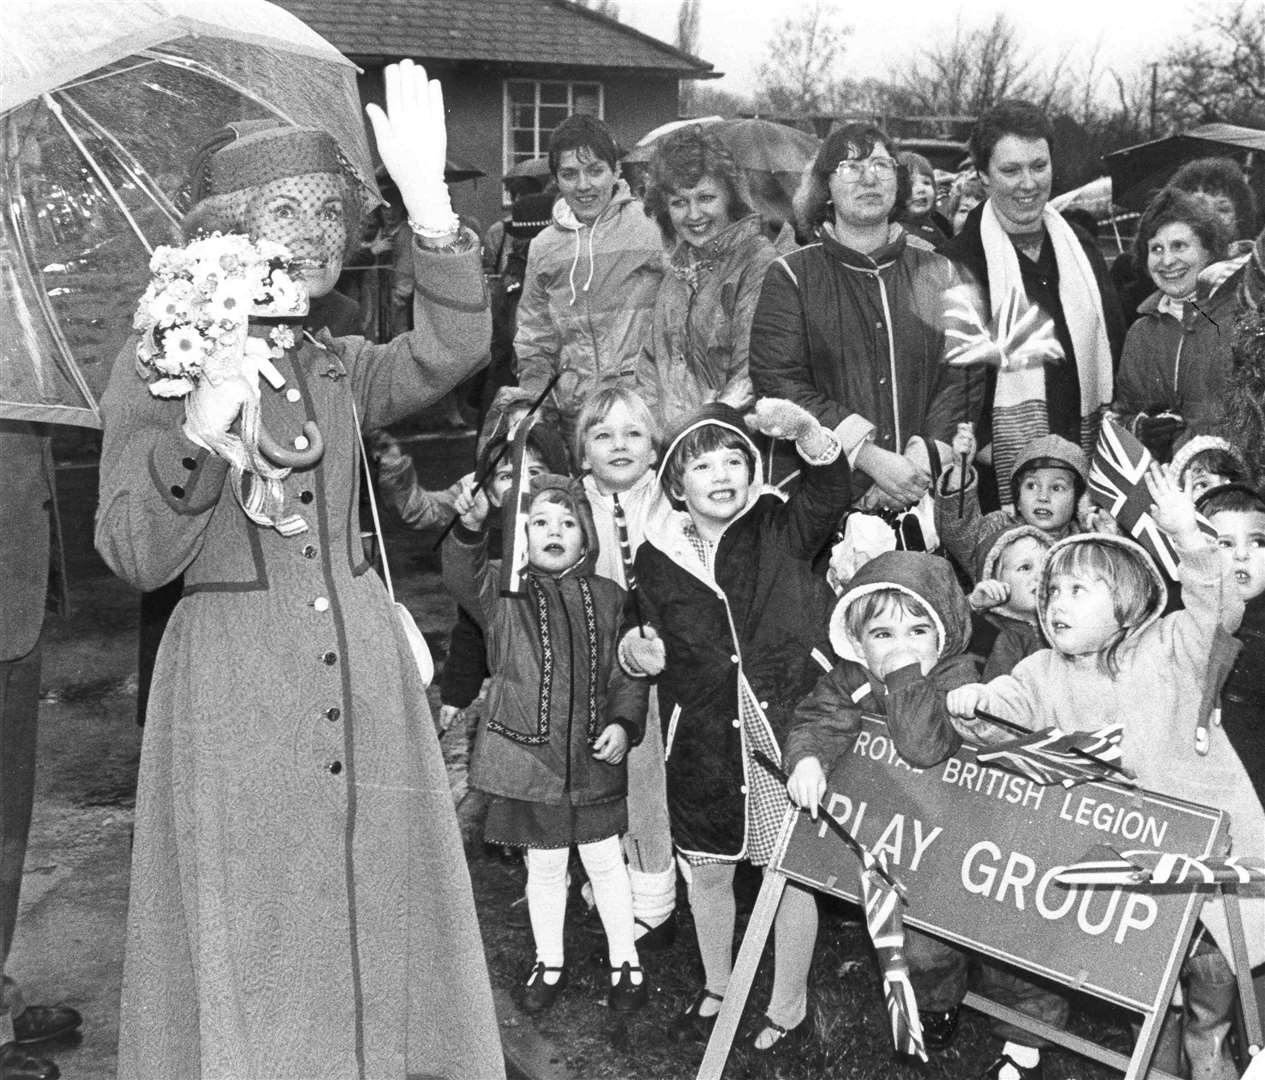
626, 995
17, 1064
40, 1023
538, 995
939, 1029
656, 938
1035, 1072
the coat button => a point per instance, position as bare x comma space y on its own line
189, 463
293, 394
306, 496
309, 551
764, 705
321, 603
743, 789
333, 714
335, 767
329, 658
737, 722
177, 491
733, 659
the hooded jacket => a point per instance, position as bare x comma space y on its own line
827, 721
966, 533
588, 302
1168, 668
697, 350
758, 618
555, 683
999, 639
1180, 365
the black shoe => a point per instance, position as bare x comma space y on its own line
691, 1025
787, 1038
626, 995
39, 1023
1036, 1072
939, 1029
538, 994
656, 938
17, 1064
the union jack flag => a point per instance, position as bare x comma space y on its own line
1018, 336
1104, 865
514, 563
887, 932
1052, 756
1117, 484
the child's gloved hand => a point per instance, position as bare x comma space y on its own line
781, 419
964, 444
611, 745
471, 506
807, 785
964, 700
988, 593
642, 652
1158, 430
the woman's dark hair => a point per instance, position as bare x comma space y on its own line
1173, 206
702, 440
581, 132
1221, 176
812, 200
681, 160
1019, 118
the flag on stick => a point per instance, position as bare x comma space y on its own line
1051, 756
887, 932
1018, 336
1104, 865
518, 498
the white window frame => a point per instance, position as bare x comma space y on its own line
507, 155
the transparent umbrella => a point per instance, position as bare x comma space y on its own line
101, 109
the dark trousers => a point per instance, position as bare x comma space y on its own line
19, 713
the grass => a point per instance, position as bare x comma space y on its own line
850, 1038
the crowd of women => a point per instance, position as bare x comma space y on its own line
300, 905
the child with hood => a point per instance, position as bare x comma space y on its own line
1100, 606
1208, 461
1049, 478
560, 718
733, 620
1004, 625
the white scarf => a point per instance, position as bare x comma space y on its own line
1082, 309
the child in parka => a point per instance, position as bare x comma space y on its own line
733, 620
559, 720
1004, 625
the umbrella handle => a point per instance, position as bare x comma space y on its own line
287, 458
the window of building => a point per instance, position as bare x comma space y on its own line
533, 108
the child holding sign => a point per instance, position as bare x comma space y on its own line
1114, 660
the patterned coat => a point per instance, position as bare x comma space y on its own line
300, 905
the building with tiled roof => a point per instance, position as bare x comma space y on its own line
511, 70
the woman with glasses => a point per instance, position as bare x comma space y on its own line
697, 350
850, 326
1014, 241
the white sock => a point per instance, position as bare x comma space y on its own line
1027, 1057
653, 896
604, 861
547, 905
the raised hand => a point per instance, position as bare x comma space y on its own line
988, 593
413, 144
471, 506
1172, 508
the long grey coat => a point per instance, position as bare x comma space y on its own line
300, 905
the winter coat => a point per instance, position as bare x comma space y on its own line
858, 341
296, 855
588, 303
1041, 281
697, 350
760, 616
1164, 666
1180, 366
549, 697
827, 721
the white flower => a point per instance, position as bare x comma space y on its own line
174, 304
183, 351
231, 302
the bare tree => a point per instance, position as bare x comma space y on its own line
799, 74
1218, 74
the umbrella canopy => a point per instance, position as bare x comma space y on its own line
1137, 172
457, 169
772, 156
101, 110
533, 168
1094, 197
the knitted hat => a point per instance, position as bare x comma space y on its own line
530, 215
1186, 453
1051, 451
991, 556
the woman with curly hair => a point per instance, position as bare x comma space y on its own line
697, 350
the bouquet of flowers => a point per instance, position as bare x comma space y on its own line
193, 316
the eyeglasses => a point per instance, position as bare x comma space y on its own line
881, 168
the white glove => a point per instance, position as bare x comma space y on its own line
413, 144
782, 419
211, 408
